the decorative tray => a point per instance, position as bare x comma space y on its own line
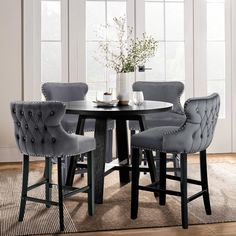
112, 103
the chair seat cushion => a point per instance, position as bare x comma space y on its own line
168, 118
69, 123
78, 144
151, 138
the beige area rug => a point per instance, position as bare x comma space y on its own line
114, 213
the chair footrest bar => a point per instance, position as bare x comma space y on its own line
32, 199
193, 197
152, 189
36, 185
190, 181
75, 191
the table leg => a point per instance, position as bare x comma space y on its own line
149, 155
122, 148
99, 160
70, 170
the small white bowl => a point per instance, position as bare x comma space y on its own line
107, 97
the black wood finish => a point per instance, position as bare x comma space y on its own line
99, 162
60, 194
135, 183
48, 178
122, 148
90, 110
80, 125
90, 183
162, 194
204, 179
121, 114
71, 171
183, 187
24, 187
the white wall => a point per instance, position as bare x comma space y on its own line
10, 74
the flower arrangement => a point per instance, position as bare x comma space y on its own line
127, 53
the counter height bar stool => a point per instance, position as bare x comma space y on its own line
168, 91
195, 135
38, 132
66, 92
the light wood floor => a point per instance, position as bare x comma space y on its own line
195, 230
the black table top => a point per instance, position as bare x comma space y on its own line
90, 109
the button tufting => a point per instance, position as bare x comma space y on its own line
52, 113
18, 124
21, 112
30, 113
17, 136
53, 140
24, 138
32, 140
42, 141
45, 128
26, 126
40, 114
197, 110
14, 110
201, 136
36, 128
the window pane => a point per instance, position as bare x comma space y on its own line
93, 88
215, 60
215, 21
174, 21
51, 20
95, 71
50, 61
157, 64
154, 19
95, 17
115, 9
218, 87
175, 61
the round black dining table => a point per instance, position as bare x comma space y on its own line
121, 114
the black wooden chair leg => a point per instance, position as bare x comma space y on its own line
71, 171
135, 183
204, 179
48, 177
109, 146
60, 194
24, 187
162, 194
183, 187
91, 199
176, 164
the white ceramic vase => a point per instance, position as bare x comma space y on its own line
123, 88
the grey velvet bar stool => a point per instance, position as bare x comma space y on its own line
38, 132
195, 135
168, 91
66, 92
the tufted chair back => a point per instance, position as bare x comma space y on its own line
38, 130
197, 132
64, 92
162, 91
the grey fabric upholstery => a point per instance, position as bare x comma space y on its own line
66, 92
166, 92
193, 136
38, 131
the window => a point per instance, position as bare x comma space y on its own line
51, 59
216, 50
98, 13
165, 21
